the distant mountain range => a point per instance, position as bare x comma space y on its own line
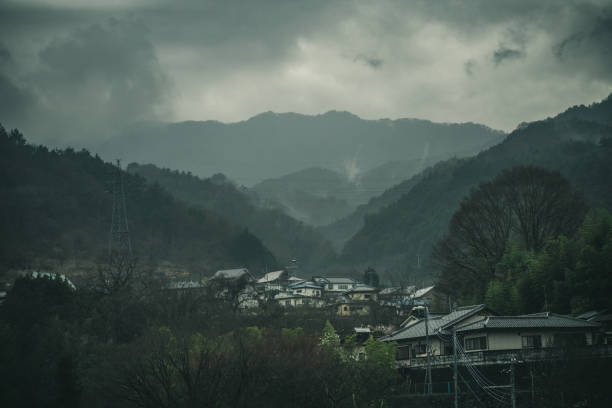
400, 227
271, 145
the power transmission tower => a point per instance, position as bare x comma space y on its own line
119, 241
121, 263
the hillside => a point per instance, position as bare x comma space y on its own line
286, 237
321, 197
576, 142
270, 145
56, 210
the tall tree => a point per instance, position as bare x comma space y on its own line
525, 205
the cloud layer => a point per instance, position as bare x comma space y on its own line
86, 70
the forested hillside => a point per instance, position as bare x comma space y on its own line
286, 237
56, 214
577, 143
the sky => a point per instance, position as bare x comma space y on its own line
78, 71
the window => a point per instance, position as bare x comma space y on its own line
299, 291
403, 353
419, 349
367, 296
345, 308
476, 343
532, 341
448, 349
342, 286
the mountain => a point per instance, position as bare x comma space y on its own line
320, 197
315, 195
56, 214
286, 237
340, 231
399, 237
270, 145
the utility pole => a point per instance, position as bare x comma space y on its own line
455, 370
429, 385
512, 384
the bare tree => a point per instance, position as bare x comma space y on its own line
526, 204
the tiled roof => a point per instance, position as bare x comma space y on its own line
337, 280
531, 321
304, 284
435, 323
361, 288
270, 276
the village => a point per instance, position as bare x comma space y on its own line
430, 324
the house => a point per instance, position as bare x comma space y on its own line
361, 293
234, 274
346, 307
275, 277
532, 331
427, 296
486, 339
291, 300
412, 340
306, 288
603, 317
335, 286
396, 296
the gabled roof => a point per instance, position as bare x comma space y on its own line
435, 323
397, 290
271, 276
422, 292
231, 273
305, 284
360, 287
530, 321
336, 280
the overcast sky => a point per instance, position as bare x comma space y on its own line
86, 69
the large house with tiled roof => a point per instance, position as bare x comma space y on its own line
484, 338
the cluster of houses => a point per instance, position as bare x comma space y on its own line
347, 296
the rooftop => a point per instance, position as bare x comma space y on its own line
435, 323
231, 273
536, 320
271, 276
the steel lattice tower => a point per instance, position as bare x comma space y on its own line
119, 242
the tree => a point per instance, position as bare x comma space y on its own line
524, 206
370, 277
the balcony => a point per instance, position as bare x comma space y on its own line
492, 357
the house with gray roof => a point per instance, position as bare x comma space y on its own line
234, 274
484, 338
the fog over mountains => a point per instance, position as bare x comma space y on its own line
271, 145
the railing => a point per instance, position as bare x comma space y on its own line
487, 357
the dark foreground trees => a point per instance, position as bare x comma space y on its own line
523, 208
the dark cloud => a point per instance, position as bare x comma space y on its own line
80, 64
94, 81
468, 67
502, 53
372, 62
589, 49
